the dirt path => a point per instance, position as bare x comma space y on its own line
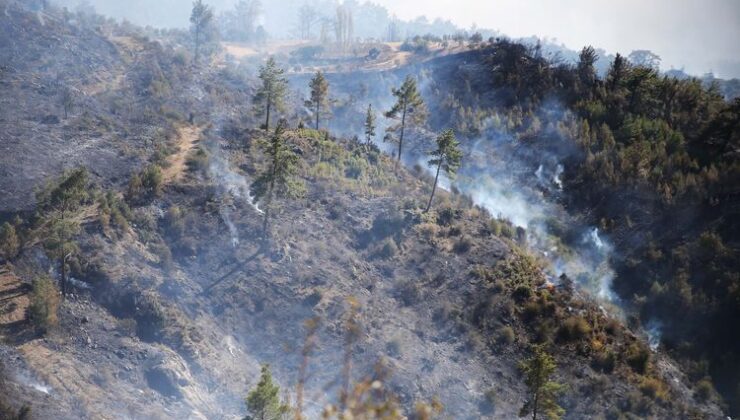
187, 139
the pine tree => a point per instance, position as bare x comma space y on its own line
447, 156
271, 94
60, 204
263, 402
278, 179
201, 18
409, 107
319, 101
369, 125
537, 372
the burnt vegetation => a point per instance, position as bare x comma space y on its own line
197, 223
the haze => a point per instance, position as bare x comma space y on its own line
694, 35
699, 35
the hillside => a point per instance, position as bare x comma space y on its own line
134, 165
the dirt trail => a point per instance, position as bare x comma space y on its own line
187, 139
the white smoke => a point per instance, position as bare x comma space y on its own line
497, 179
233, 189
25, 379
654, 331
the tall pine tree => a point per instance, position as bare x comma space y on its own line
409, 108
270, 95
369, 125
543, 392
319, 101
201, 18
446, 156
277, 181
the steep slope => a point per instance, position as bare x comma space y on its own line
178, 298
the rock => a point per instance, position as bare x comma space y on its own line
165, 381
50, 120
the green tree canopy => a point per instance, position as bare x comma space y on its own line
58, 207
369, 125
270, 95
543, 392
319, 101
263, 402
447, 156
201, 19
409, 108
278, 179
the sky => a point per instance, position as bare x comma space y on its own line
697, 35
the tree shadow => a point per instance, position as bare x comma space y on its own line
239, 265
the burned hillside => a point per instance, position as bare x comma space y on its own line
167, 238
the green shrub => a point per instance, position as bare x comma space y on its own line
522, 292
574, 328
531, 309
505, 335
44, 308
604, 361
446, 216
638, 357
654, 388
9, 242
151, 180
355, 167
163, 252
386, 249
705, 390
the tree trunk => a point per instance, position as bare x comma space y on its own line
64, 274
534, 405
318, 109
197, 45
269, 105
266, 220
63, 258
400, 139
434, 188
268, 204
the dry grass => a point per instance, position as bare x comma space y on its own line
187, 138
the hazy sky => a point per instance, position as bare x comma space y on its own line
700, 35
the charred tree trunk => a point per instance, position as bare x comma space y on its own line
269, 106
434, 188
400, 138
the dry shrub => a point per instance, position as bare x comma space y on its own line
654, 388
428, 231
574, 328
44, 307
